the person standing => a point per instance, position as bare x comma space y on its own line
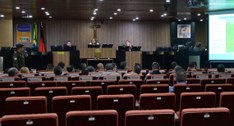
19, 57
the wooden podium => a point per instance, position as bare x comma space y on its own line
89, 53
133, 57
61, 56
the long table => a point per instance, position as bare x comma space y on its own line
89, 53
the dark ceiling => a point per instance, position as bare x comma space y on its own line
130, 9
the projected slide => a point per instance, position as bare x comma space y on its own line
221, 37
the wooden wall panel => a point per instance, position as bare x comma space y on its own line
149, 35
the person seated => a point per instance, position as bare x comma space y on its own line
70, 69
128, 43
68, 44
100, 67
136, 70
155, 68
61, 64
220, 68
94, 42
178, 68
87, 70
58, 71
12, 72
173, 65
110, 70
24, 70
181, 78
123, 65
191, 67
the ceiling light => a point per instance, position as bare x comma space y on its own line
119, 10
115, 13
168, 1
111, 18
151, 10
50, 17
2, 16
23, 12
137, 18
179, 19
47, 13
162, 15
30, 16
201, 20
96, 9
185, 18
17, 8
100, 0
94, 13
133, 19
198, 14
165, 14
42, 8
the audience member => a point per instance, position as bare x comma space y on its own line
136, 70
91, 69
181, 77
100, 67
24, 70
178, 68
70, 69
173, 65
110, 70
123, 65
58, 71
12, 72
155, 68
221, 68
61, 64
114, 67
191, 67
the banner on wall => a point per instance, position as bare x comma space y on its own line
23, 33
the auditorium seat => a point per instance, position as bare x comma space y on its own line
13, 84
71, 84
218, 88
48, 119
34, 85
121, 103
154, 88
193, 81
156, 76
226, 100
158, 101
9, 92
93, 91
196, 100
149, 118
163, 81
204, 82
25, 105
50, 92
205, 117
180, 88
122, 89
92, 118
63, 104
137, 82
230, 80
103, 83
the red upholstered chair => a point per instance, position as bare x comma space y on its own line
137, 82
204, 82
34, 85
48, 119
121, 103
157, 101
163, 81
193, 81
63, 104
71, 84
13, 84
230, 80
218, 88
102, 83
154, 88
122, 89
205, 117
25, 105
9, 92
93, 91
149, 118
92, 118
50, 92
226, 100
180, 88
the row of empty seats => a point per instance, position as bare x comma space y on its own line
189, 117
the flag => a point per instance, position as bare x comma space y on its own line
35, 37
42, 47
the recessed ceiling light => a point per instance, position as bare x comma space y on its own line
96, 9
179, 19
168, 1
165, 14
47, 13
30, 16
133, 19
118, 9
115, 13
94, 13
17, 8
201, 20
198, 14
162, 15
2, 16
100, 0
137, 18
185, 18
151, 10
111, 18
50, 17
42, 8
23, 12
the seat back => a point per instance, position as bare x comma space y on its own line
92, 118
13, 84
122, 89
63, 104
149, 118
34, 85
102, 83
50, 92
154, 88
218, 88
71, 84
121, 103
205, 117
25, 105
157, 101
226, 100
93, 91
48, 119
204, 82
